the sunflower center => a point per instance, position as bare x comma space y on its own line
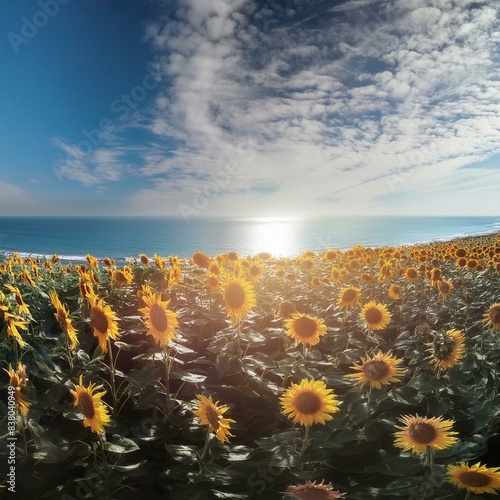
305, 327
99, 319
212, 417
255, 270
235, 296
349, 296
158, 317
443, 287
444, 347
373, 315
475, 479
86, 405
422, 433
308, 402
411, 273
376, 370
495, 315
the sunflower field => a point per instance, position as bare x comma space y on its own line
363, 373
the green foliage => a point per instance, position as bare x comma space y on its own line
154, 447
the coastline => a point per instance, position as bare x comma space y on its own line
466, 240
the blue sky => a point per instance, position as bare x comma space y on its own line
249, 107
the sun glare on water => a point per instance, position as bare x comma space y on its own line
276, 235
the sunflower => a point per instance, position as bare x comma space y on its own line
214, 268
380, 369
123, 277
92, 261
395, 292
476, 478
201, 260
306, 264
385, 273
161, 322
418, 433
62, 317
91, 406
209, 413
13, 322
312, 491
305, 329
447, 349
336, 275
107, 262
315, 282
254, 271
492, 317
284, 309
145, 291
375, 315
103, 320
239, 297
18, 380
330, 255
144, 260
309, 402
444, 288
471, 264
212, 282
349, 297
174, 275
366, 278
23, 308
412, 274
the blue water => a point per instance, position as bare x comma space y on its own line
122, 237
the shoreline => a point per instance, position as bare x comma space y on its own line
77, 259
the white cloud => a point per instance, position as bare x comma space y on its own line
365, 99
90, 167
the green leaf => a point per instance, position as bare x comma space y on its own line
123, 346
401, 465
185, 454
120, 445
261, 360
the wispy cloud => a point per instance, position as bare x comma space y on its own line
362, 99
90, 168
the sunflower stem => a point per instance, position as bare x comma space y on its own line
238, 337
467, 496
429, 459
166, 362
104, 463
68, 350
112, 371
205, 450
304, 446
16, 352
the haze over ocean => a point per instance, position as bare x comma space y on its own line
122, 237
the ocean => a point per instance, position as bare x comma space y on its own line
123, 237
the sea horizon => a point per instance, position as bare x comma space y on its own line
123, 237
